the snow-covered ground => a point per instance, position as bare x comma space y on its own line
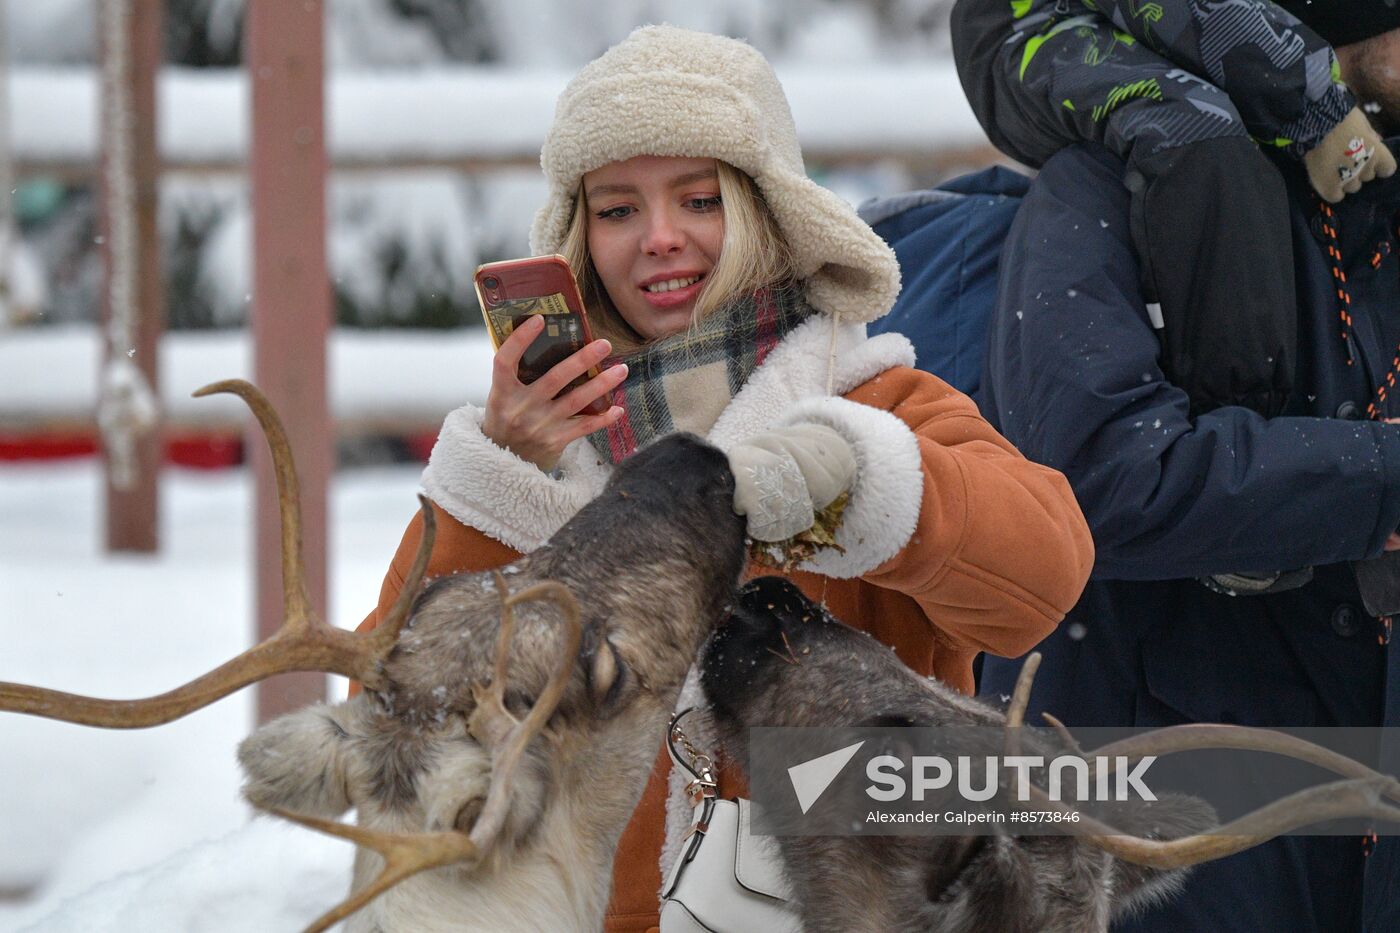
144, 830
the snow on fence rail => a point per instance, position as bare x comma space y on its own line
473, 117
383, 381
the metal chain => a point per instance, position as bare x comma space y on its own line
703, 784
696, 756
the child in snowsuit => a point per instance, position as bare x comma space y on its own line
1186, 92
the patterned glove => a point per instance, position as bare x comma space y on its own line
782, 477
1348, 157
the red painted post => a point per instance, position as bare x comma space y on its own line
291, 310
133, 310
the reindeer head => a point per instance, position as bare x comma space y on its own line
781, 660
654, 558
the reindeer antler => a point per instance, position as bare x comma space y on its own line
407, 854
404, 854
1195, 736
493, 723
1358, 797
1338, 800
303, 643
1020, 699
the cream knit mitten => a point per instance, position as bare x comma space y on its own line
784, 476
1348, 157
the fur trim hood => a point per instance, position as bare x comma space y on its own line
625, 103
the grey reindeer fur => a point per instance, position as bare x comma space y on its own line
653, 563
827, 674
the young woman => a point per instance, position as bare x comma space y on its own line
732, 294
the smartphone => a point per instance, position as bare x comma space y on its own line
512, 290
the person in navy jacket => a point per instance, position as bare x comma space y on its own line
1182, 502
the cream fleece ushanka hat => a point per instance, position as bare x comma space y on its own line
667, 91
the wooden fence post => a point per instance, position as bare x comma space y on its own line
133, 297
291, 310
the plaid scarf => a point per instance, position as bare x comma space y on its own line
683, 382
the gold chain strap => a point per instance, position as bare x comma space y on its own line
702, 785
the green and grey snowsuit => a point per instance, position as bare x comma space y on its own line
1143, 77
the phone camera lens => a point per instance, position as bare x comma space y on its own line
491, 282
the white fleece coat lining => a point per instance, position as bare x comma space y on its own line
491, 489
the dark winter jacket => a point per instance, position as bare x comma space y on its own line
1072, 378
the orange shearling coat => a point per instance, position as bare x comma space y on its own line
998, 553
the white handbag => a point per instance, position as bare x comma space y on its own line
725, 880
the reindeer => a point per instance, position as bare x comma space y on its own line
781, 660
507, 729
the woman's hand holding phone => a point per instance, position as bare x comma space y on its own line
529, 420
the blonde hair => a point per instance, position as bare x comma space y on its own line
754, 253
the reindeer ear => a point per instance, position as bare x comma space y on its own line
301, 761
612, 683
1171, 816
